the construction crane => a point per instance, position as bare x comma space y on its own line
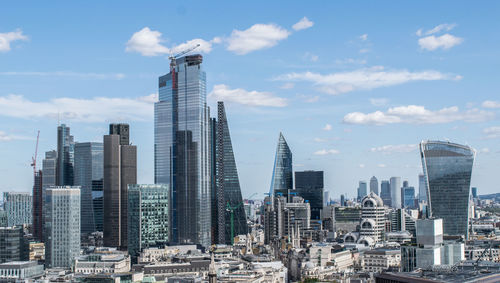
173, 64
33, 159
231, 210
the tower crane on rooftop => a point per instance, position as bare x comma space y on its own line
184, 52
33, 159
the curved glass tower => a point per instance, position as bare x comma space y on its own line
447, 170
182, 149
282, 180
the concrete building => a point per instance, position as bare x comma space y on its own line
297, 215
16, 271
372, 225
18, 207
103, 261
62, 226
120, 170
381, 259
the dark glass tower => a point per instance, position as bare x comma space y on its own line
228, 199
282, 180
309, 186
120, 170
37, 206
65, 155
182, 149
447, 169
385, 192
88, 167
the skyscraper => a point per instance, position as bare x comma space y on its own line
362, 190
374, 185
88, 168
385, 192
309, 186
422, 188
182, 149
282, 180
148, 217
227, 185
65, 155
120, 170
474, 192
37, 220
49, 169
18, 207
98, 204
447, 169
409, 197
62, 226
395, 192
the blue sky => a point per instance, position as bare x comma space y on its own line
354, 87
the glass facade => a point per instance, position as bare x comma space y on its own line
182, 149
98, 204
409, 197
395, 192
282, 180
228, 191
362, 190
148, 217
65, 156
11, 239
422, 188
89, 160
385, 192
62, 226
309, 186
447, 169
374, 185
18, 207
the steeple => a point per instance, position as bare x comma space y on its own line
212, 272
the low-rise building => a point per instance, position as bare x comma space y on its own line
379, 260
103, 261
20, 270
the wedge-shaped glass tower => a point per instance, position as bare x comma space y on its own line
447, 170
282, 180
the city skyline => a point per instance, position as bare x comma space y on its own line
441, 90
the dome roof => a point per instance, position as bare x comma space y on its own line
374, 198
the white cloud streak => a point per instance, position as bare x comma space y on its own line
445, 41
436, 29
327, 127
94, 110
491, 104
364, 79
148, 42
250, 98
4, 137
326, 152
379, 101
258, 36
400, 148
304, 23
492, 132
415, 114
7, 38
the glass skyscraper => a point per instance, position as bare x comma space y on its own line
385, 192
65, 155
227, 184
374, 185
182, 149
282, 180
18, 207
309, 186
447, 169
395, 192
362, 190
148, 217
422, 188
89, 160
409, 197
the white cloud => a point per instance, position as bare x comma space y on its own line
148, 42
445, 41
326, 152
361, 166
491, 104
287, 86
363, 37
492, 132
350, 61
7, 38
8, 137
152, 98
250, 98
484, 150
310, 57
320, 140
94, 110
364, 79
304, 23
258, 36
414, 114
68, 74
388, 149
327, 127
382, 165
379, 101
436, 29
